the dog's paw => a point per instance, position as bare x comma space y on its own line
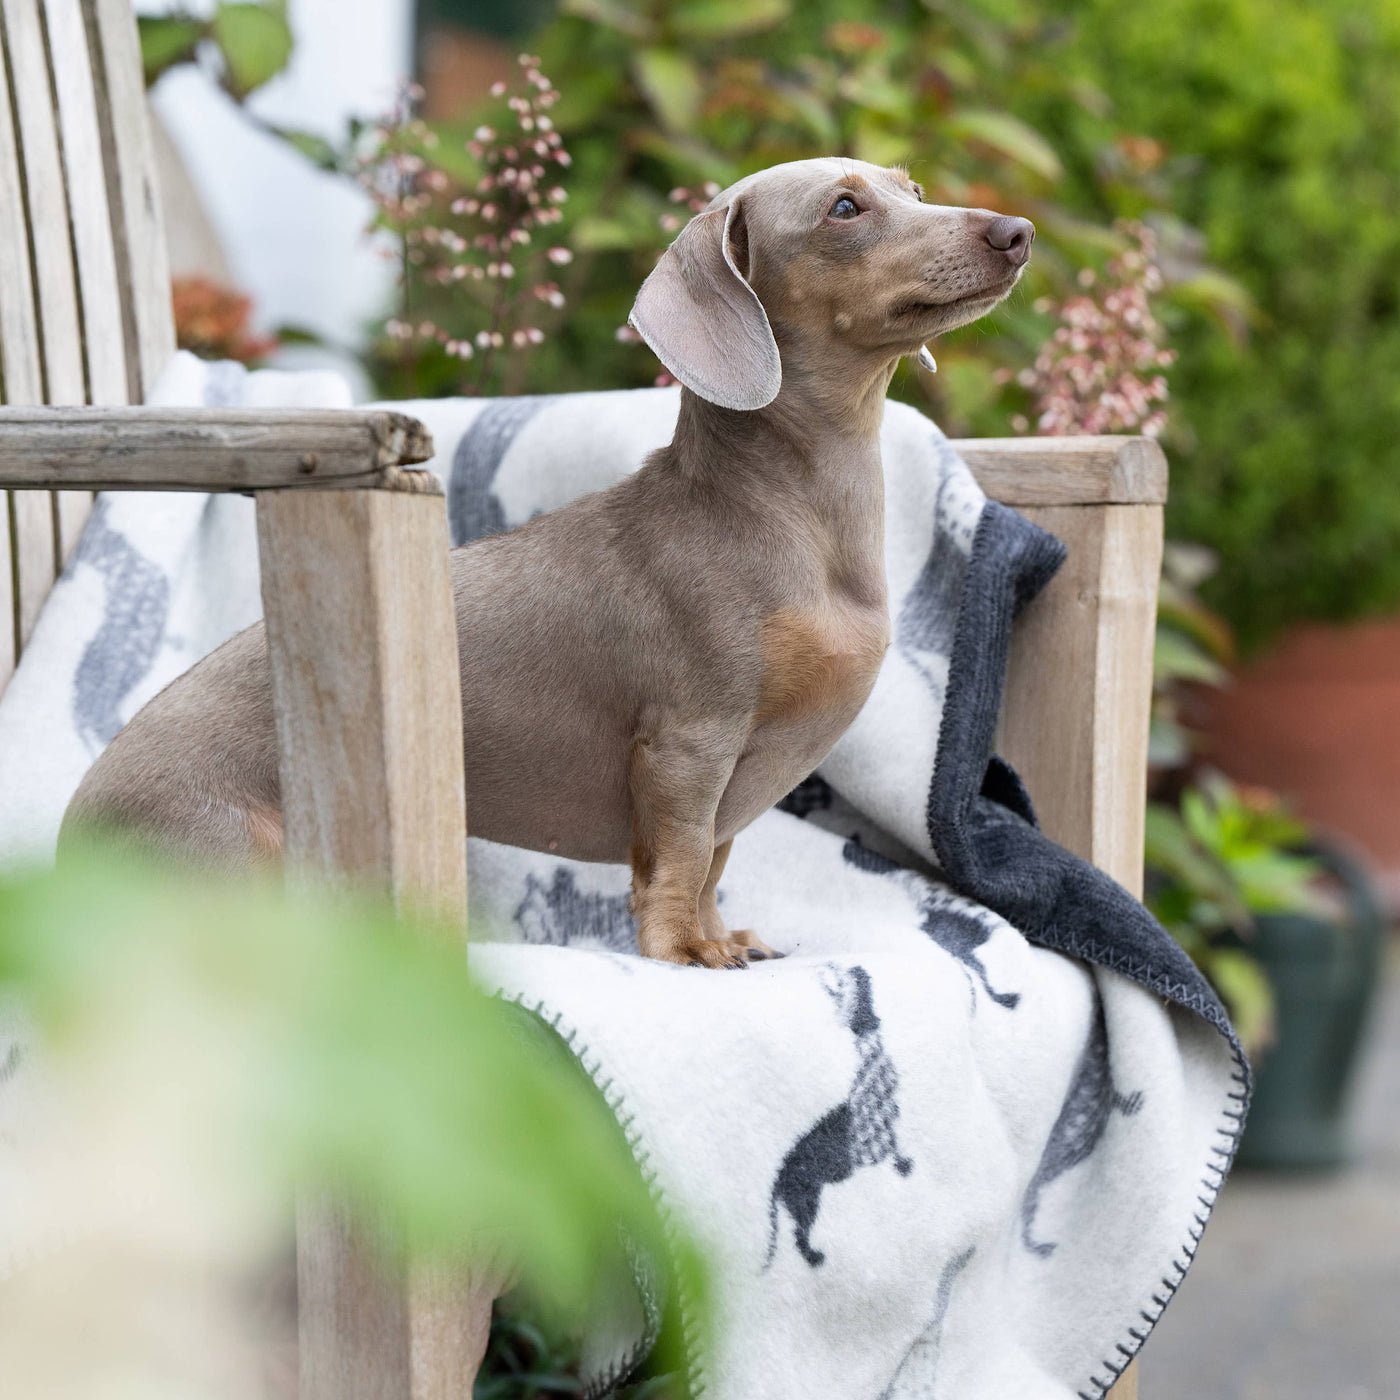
706, 952
750, 947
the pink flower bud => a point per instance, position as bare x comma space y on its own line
560, 257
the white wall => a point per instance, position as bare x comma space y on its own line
294, 236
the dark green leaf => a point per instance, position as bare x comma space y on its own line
167, 41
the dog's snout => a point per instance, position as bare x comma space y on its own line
1012, 236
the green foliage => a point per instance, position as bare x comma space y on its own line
1193, 646
527, 1360
255, 41
1225, 856
1279, 122
167, 40
243, 45
684, 92
250, 43
304, 1039
1261, 139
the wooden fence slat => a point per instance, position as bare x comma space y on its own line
138, 229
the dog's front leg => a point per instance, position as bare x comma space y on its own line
741, 940
677, 775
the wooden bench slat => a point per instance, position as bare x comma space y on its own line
60, 334
19, 330
138, 228
20, 378
47, 203
8, 651
35, 567
103, 342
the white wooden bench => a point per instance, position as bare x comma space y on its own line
355, 587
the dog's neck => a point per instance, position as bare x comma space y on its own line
799, 462
820, 431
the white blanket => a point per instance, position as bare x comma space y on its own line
930, 1154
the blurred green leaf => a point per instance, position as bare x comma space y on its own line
1177, 657
1247, 991
321, 153
167, 40
612, 14
1010, 136
880, 144
725, 19
256, 42
671, 84
326, 1039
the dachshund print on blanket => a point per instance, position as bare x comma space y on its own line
561, 913
955, 925
1090, 1103
857, 1133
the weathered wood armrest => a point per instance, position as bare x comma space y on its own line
1068, 471
210, 449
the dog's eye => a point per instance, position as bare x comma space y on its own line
844, 208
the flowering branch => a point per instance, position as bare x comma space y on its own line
473, 247
1100, 371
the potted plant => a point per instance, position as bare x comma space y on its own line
1284, 922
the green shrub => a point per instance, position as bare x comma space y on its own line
1281, 126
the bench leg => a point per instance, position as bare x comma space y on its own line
363, 646
369, 1334
1079, 695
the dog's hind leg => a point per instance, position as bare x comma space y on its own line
676, 775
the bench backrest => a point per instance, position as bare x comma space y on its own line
85, 312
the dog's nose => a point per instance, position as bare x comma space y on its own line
1012, 236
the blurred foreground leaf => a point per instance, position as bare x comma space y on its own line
259, 1041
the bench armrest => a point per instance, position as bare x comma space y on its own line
1068, 471
210, 449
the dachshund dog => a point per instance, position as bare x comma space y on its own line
649, 668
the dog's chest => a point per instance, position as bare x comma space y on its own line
818, 666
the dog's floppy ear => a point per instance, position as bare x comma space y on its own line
703, 320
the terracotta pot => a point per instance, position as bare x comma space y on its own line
1318, 720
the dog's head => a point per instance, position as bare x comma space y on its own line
839, 263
